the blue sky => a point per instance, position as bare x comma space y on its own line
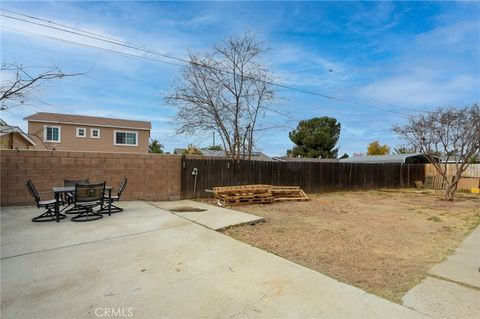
394, 56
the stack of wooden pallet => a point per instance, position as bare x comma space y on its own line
257, 194
246, 194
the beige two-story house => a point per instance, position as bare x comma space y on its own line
67, 132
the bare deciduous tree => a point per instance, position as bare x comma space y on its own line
454, 132
18, 85
226, 91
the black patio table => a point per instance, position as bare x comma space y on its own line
71, 189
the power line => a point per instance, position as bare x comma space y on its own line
97, 37
96, 47
108, 40
56, 23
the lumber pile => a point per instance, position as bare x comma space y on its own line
257, 194
246, 194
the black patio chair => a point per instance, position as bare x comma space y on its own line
49, 205
86, 198
71, 183
115, 198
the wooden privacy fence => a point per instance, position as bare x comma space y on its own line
473, 170
312, 177
470, 177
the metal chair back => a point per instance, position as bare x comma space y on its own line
123, 184
73, 182
89, 192
33, 191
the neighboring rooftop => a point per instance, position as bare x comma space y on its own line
305, 159
87, 120
7, 129
414, 158
256, 155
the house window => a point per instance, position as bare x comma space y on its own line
52, 134
95, 133
125, 138
81, 132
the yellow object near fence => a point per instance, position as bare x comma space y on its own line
475, 190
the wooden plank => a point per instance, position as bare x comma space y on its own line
429, 181
241, 189
293, 199
229, 201
245, 195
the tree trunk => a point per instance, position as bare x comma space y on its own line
450, 190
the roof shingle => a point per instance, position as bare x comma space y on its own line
87, 120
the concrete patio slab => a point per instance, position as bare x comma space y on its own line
174, 269
214, 217
444, 299
21, 236
464, 264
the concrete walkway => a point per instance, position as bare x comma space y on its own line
150, 263
213, 217
453, 291
464, 264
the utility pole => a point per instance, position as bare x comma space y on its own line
213, 139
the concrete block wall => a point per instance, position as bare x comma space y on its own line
150, 176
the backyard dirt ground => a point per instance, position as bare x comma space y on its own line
382, 241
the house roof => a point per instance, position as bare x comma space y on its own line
58, 118
305, 159
454, 159
392, 158
7, 129
179, 151
213, 153
259, 156
449, 159
256, 155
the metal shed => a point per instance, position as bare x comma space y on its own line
414, 158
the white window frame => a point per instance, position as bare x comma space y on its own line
45, 133
84, 132
95, 129
122, 131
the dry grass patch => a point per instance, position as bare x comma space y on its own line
381, 241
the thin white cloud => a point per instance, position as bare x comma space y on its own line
412, 91
370, 20
454, 36
433, 70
